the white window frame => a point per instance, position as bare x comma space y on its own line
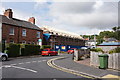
38, 34
23, 32
12, 31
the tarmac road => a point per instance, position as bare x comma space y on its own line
34, 68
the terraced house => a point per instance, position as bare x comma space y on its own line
20, 31
63, 40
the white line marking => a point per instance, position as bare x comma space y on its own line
24, 69
34, 61
1, 67
13, 64
20, 63
7, 66
44, 60
39, 61
28, 62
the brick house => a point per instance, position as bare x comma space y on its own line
57, 38
20, 31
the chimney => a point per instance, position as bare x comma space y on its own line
8, 13
32, 20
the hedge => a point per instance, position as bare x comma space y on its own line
30, 50
116, 50
13, 50
97, 50
45, 46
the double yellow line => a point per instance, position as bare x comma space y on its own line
53, 65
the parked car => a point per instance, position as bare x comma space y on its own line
3, 56
71, 50
49, 52
84, 48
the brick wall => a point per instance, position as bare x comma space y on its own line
17, 37
63, 40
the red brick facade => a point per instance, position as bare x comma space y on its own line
31, 29
17, 37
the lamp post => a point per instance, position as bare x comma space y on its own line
95, 39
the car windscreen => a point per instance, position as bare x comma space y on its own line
52, 50
71, 49
45, 50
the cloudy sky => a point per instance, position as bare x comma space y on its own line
81, 17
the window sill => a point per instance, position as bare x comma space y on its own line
11, 34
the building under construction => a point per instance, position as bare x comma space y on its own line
62, 40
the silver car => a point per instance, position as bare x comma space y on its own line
3, 56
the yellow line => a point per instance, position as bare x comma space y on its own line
111, 76
49, 62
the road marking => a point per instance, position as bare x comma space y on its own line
7, 66
39, 61
24, 69
28, 62
20, 63
44, 60
13, 64
52, 64
34, 61
111, 76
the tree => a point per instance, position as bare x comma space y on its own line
114, 28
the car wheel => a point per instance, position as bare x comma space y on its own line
4, 58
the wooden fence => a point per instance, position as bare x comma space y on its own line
113, 60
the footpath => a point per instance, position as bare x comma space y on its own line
68, 63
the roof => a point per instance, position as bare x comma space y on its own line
109, 43
61, 32
18, 22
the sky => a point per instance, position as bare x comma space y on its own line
83, 17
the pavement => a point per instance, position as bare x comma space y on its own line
90, 72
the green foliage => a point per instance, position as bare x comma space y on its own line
30, 50
45, 46
97, 50
116, 50
13, 50
107, 34
88, 36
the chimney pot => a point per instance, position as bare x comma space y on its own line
32, 20
8, 13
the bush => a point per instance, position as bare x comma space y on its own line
45, 46
97, 50
116, 50
29, 49
13, 50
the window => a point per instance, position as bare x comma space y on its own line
33, 43
11, 41
11, 31
38, 34
24, 32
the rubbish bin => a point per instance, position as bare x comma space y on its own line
103, 59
